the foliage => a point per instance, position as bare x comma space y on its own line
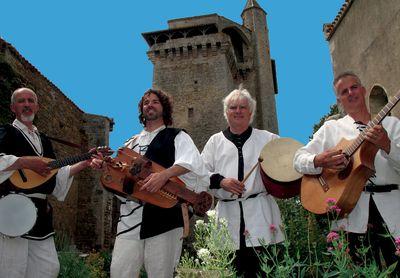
328, 258
73, 264
215, 250
333, 112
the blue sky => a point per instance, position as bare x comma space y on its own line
94, 52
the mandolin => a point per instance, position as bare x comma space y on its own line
124, 176
28, 179
345, 185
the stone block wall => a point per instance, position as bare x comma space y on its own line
59, 117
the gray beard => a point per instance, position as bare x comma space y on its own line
28, 119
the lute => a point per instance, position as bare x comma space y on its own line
28, 179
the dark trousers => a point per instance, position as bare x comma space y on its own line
247, 263
376, 239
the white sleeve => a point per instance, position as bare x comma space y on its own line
393, 130
63, 183
187, 155
208, 155
303, 160
5, 162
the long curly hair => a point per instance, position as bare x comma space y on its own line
166, 103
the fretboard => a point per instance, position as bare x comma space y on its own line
350, 150
58, 163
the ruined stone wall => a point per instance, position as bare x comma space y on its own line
367, 41
59, 117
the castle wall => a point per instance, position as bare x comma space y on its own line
367, 42
200, 70
59, 117
198, 81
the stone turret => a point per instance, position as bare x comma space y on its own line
254, 18
200, 59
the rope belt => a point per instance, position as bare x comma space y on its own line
243, 199
372, 188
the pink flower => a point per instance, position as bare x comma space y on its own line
332, 236
335, 208
331, 201
397, 241
272, 228
397, 253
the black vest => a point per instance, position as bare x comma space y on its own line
156, 220
14, 143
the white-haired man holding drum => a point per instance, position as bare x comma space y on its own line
231, 156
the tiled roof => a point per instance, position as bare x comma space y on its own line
330, 28
4, 44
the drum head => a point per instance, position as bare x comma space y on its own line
278, 157
17, 215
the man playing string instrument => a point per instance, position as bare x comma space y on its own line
377, 212
148, 235
21, 147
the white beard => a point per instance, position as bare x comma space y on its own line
28, 118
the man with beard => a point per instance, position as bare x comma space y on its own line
21, 147
148, 235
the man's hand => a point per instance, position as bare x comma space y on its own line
232, 185
154, 181
332, 159
35, 164
379, 137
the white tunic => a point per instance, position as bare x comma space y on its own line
221, 157
387, 168
186, 155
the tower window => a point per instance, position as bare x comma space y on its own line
190, 112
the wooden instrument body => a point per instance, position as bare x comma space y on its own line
344, 186
30, 179
124, 176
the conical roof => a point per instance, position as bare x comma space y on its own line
252, 4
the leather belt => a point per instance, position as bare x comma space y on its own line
372, 188
242, 199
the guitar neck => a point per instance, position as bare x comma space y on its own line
350, 150
58, 163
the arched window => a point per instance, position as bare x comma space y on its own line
377, 99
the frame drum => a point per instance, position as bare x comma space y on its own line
279, 177
17, 215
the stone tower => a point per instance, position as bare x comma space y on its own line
200, 59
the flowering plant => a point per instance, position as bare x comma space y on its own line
214, 250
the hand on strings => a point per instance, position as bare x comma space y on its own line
232, 185
332, 159
379, 137
97, 161
154, 181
